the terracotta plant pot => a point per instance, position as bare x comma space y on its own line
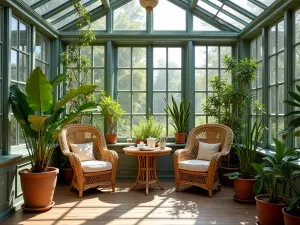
244, 190
68, 175
224, 180
269, 213
38, 189
179, 138
111, 138
290, 219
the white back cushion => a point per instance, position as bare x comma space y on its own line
206, 150
84, 151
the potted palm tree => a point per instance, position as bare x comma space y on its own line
41, 120
269, 206
111, 110
180, 116
246, 151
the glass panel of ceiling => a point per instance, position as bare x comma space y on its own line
31, 2
200, 25
267, 2
48, 6
249, 6
99, 24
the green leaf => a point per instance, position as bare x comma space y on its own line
291, 103
295, 96
39, 91
232, 176
37, 122
258, 186
73, 93
57, 80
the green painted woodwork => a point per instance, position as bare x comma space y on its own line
58, 9
39, 3
258, 3
106, 4
239, 9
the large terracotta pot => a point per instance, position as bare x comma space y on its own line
244, 190
290, 219
269, 213
224, 180
179, 138
38, 189
111, 138
68, 175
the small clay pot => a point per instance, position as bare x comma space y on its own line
180, 138
290, 219
38, 189
111, 138
269, 213
244, 190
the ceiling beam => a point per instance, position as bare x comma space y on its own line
239, 9
259, 4
193, 4
106, 4
39, 3
58, 9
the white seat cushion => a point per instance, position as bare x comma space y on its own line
194, 165
93, 166
84, 151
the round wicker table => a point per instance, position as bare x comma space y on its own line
147, 165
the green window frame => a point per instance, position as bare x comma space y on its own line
1, 79
276, 81
20, 67
208, 63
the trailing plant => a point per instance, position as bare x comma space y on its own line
40, 117
277, 170
147, 128
76, 64
247, 149
227, 103
111, 110
179, 114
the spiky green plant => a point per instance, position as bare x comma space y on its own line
41, 118
179, 115
147, 128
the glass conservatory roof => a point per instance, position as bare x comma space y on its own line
236, 14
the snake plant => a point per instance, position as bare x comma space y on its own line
41, 118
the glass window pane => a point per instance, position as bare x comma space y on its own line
267, 2
98, 122
213, 57
86, 52
124, 79
159, 80
159, 102
259, 76
174, 80
280, 66
139, 102
14, 64
297, 62
272, 40
159, 57
200, 25
272, 129
200, 120
200, 80
124, 98
139, 80
99, 24
280, 36
23, 37
139, 57
272, 70
124, 129
211, 74
253, 51
236, 13
297, 27
230, 20
13, 131
247, 5
200, 99
175, 19
99, 78
174, 57
200, 57
224, 51
207, 7
273, 100
23, 67
45, 50
124, 56
131, 16
14, 33
99, 56
38, 46
48, 6
280, 99
259, 48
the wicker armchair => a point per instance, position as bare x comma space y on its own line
79, 134
206, 178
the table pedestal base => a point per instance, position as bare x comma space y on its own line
147, 172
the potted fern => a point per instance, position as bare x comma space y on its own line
111, 110
41, 120
180, 116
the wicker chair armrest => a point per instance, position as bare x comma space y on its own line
181, 155
75, 163
110, 156
213, 166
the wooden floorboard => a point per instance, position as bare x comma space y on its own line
189, 206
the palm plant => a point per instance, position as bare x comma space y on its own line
41, 118
179, 115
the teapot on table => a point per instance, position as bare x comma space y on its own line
151, 142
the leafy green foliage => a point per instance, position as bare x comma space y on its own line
180, 115
111, 110
247, 150
147, 128
41, 125
277, 170
228, 102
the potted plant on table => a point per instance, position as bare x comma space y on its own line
244, 180
147, 128
269, 206
111, 110
228, 103
180, 115
41, 120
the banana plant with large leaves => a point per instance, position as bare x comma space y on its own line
41, 118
